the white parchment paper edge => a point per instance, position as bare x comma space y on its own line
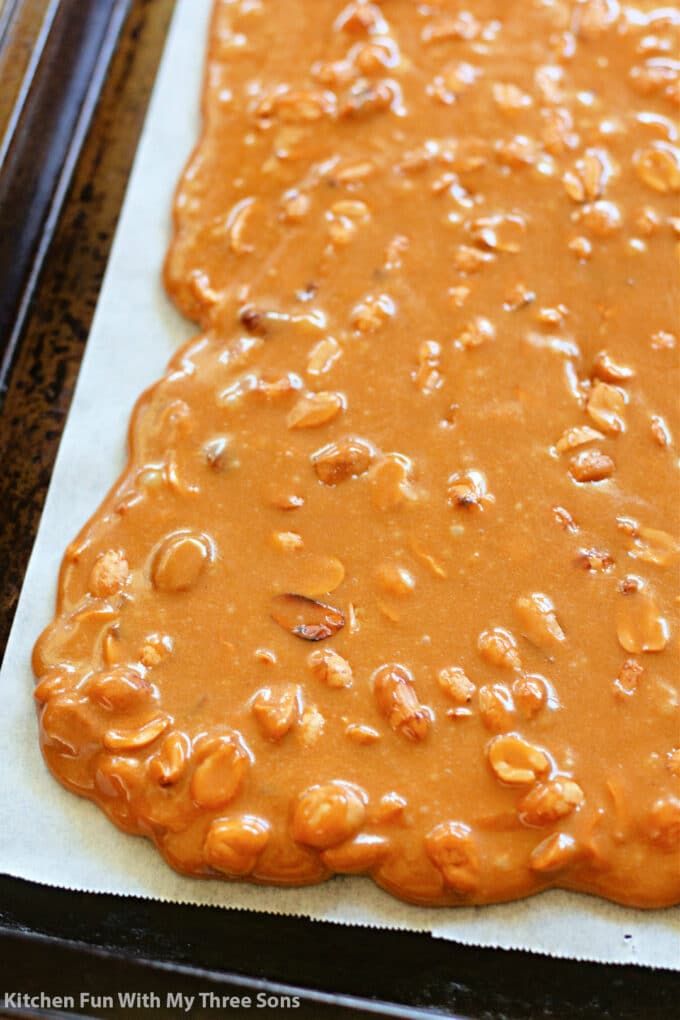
49, 836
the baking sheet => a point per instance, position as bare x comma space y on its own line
48, 835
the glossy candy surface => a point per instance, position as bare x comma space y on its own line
390, 582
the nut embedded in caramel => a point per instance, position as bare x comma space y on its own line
109, 573
345, 459
451, 848
306, 618
515, 761
548, 802
330, 668
329, 814
397, 701
233, 845
553, 853
219, 776
276, 709
538, 620
179, 562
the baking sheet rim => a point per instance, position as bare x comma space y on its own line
173, 329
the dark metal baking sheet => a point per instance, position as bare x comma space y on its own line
107, 942
77, 150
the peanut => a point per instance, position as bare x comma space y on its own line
554, 853
606, 406
323, 356
169, 765
539, 620
179, 561
658, 166
547, 802
651, 545
496, 708
233, 845
390, 482
456, 685
109, 573
515, 761
311, 726
609, 370
306, 618
328, 814
451, 848
356, 856
315, 409
120, 689
529, 692
361, 734
330, 668
591, 466
219, 777
469, 489
370, 314
499, 648
395, 579
640, 627
67, 725
52, 684
276, 709
397, 701
580, 435
136, 738
345, 459
662, 825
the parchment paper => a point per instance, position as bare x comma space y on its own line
51, 836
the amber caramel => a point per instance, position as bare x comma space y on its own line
390, 582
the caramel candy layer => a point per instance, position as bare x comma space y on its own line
389, 584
